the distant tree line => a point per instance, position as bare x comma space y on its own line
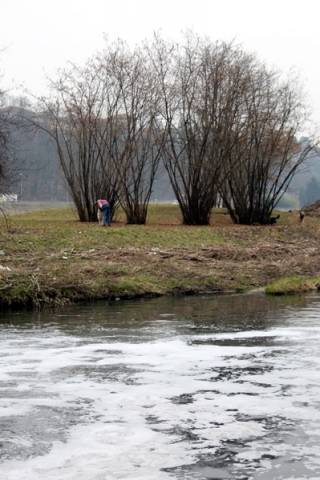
4, 145
311, 192
222, 123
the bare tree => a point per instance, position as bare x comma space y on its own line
264, 153
6, 170
199, 100
75, 120
4, 144
103, 121
220, 120
134, 140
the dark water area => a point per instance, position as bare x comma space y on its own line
223, 387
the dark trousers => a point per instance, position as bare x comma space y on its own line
106, 219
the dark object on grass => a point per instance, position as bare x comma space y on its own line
273, 220
302, 215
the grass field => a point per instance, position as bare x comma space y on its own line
49, 257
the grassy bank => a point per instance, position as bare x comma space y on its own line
294, 285
48, 257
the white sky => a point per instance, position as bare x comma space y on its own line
39, 36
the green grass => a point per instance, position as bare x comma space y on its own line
293, 285
59, 230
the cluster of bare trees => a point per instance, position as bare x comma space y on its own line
224, 125
104, 120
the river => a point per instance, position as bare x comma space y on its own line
220, 387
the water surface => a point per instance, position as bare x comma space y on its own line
195, 388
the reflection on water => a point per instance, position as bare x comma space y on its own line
196, 388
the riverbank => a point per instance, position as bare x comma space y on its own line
49, 258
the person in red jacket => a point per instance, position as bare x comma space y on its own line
104, 207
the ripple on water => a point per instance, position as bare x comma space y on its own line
148, 392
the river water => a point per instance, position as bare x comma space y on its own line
222, 387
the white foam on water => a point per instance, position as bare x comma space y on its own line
138, 408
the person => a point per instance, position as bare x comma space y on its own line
104, 207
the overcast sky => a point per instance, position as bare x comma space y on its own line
39, 36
